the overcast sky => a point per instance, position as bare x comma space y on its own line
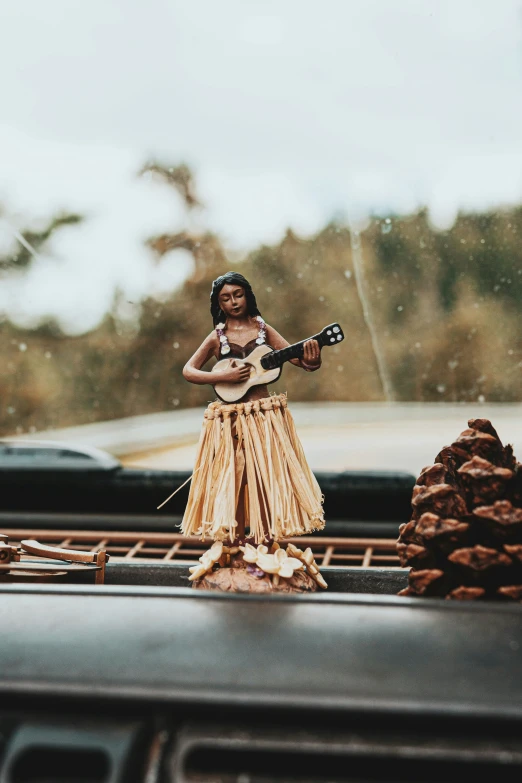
290, 112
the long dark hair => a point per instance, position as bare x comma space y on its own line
231, 278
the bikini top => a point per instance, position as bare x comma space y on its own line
239, 351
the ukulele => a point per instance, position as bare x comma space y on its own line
266, 364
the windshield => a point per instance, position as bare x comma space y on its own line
357, 162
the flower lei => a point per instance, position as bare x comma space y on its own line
225, 347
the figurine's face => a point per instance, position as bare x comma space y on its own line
232, 300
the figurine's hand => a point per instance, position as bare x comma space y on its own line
311, 354
237, 372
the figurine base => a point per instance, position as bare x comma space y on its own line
265, 568
240, 580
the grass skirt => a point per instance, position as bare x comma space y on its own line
254, 442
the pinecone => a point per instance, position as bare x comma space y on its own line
464, 540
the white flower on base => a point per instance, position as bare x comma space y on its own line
278, 563
208, 560
250, 553
307, 559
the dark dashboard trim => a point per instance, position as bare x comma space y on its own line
327, 651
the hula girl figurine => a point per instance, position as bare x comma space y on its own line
251, 471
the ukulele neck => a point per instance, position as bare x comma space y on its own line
278, 358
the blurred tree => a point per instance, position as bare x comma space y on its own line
180, 177
446, 306
23, 255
